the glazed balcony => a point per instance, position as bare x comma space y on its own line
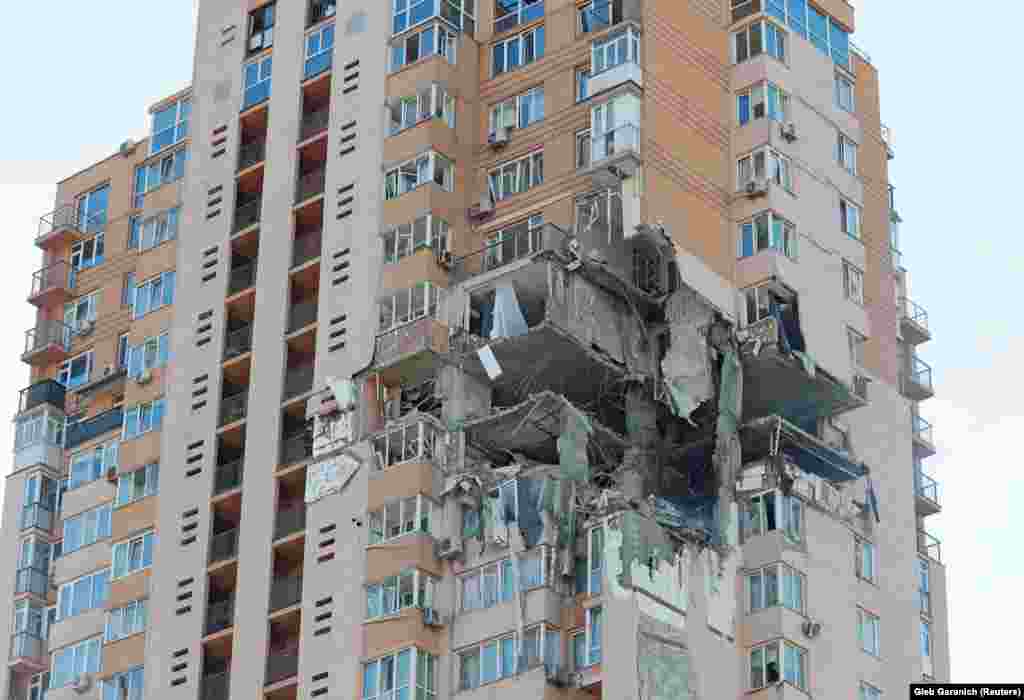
47, 343
28, 653
234, 407
913, 322
289, 520
916, 380
33, 580
285, 592
37, 516
247, 213
223, 546
51, 285
237, 342
614, 154
47, 391
927, 493
228, 476
83, 431
924, 444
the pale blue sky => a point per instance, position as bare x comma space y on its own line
81, 75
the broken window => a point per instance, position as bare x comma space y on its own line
514, 242
406, 443
647, 271
507, 502
407, 590
400, 518
470, 522
777, 661
600, 212
773, 511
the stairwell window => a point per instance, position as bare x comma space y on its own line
868, 625
844, 93
74, 660
400, 518
427, 168
846, 153
764, 99
153, 294
853, 283
926, 639
520, 50
91, 464
133, 555
761, 37
849, 218
142, 418
170, 125
777, 662
409, 589
924, 586
138, 484
257, 80
126, 621
509, 14
776, 585
516, 176
767, 231
84, 593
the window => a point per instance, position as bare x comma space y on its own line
153, 294
520, 50
771, 511
849, 218
496, 583
156, 229
434, 39
767, 231
126, 685
757, 38
170, 125
583, 149
142, 418
595, 560
867, 631
92, 209
764, 99
601, 211
846, 153
80, 311
152, 353
257, 79
428, 231
487, 663
84, 593
409, 13
924, 587
404, 443
776, 585
40, 427
128, 290
399, 518
518, 112
614, 50
470, 522
599, 14
138, 484
91, 464
126, 621
857, 342
586, 644
853, 283
824, 32
776, 662
86, 528
926, 639
410, 589
582, 84
432, 102
122, 350
869, 692
161, 171
86, 254
407, 306
261, 28
844, 93
75, 372
319, 51
647, 271
764, 164
74, 660
614, 126
427, 168
509, 14
514, 242
395, 675
517, 176
133, 555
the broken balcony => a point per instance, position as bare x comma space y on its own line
916, 380
411, 334
47, 343
913, 323
764, 438
51, 285
926, 491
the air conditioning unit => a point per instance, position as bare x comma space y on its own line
788, 131
82, 683
860, 386
449, 548
112, 474
756, 188
811, 629
145, 377
499, 138
84, 327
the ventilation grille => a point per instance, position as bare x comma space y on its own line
179, 664
347, 142
218, 141
326, 546
204, 328
210, 261
214, 198
337, 333
200, 386
350, 81
189, 526
194, 452
323, 613
227, 34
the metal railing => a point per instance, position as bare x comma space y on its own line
296, 448
285, 592
306, 247
37, 515
220, 615
321, 9
251, 153
913, 312
234, 407
216, 686
515, 243
30, 579
920, 374
224, 545
625, 137
281, 665
289, 520
242, 277
47, 391
298, 381
314, 123
77, 433
238, 342
929, 546
301, 315
228, 476
247, 213
923, 429
67, 217
927, 488
55, 276
310, 185
46, 333
26, 645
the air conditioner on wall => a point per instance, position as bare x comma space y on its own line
499, 138
788, 131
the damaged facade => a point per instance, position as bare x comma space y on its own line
563, 353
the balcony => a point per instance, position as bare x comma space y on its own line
247, 213
306, 247
234, 408
61, 227
228, 477
32, 580
281, 665
215, 686
927, 493
220, 615
529, 12
28, 653
929, 546
310, 184
46, 392
916, 380
47, 343
913, 322
298, 381
37, 516
289, 520
610, 78
252, 153
615, 154
924, 445
223, 546
51, 285
242, 277
320, 10
296, 447
887, 140
285, 592
302, 314
83, 431
409, 342
237, 342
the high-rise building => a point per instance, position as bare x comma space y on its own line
482, 348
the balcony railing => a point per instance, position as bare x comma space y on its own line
302, 314
929, 546
298, 381
234, 407
913, 312
296, 448
314, 123
306, 247
29, 579
38, 516
83, 431
228, 476
285, 592
67, 218
242, 277
310, 185
927, 488
238, 342
216, 686
27, 645
321, 9
289, 520
248, 213
618, 140
220, 615
50, 278
281, 665
920, 374
224, 545
47, 391
923, 430
47, 333
251, 153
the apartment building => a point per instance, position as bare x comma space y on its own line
517, 349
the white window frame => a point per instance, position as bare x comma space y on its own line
423, 587
523, 173
760, 94
424, 169
853, 283
420, 664
849, 218
802, 26
421, 436
255, 74
87, 657
436, 39
432, 102
487, 586
583, 149
790, 588
64, 370
157, 229
427, 231
509, 113
763, 24
856, 341
99, 591
869, 632
145, 290
128, 488
150, 354
38, 427
126, 621
788, 510
595, 26
595, 559
846, 153
787, 244
324, 36
408, 523
524, 13
515, 46
601, 206
79, 260
782, 659
926, 639
93, 524
767, 164
845, 93
126, 685
592, 644
178, 129
73, 310
90, 221
614, 50
417, 304
582, 78
267, 14
142, 418
126, 550
924, 586
500, 645
99, 459
869, 692
494, 244
462, 9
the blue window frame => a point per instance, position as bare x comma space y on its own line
319, 51
257, 81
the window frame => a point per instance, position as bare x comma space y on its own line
426, 443
845, 93
776, 167
514, 58
850, 218
782, 660
786, 591
853, 283
98, 198
418, 523
152, 353
92, 651
68, 606
925, 639
152, 175
257, 79
525, 12
869, 632
418, 305
801, 24
869, 692
266, 17
615, 49
515, 105
111, 688
324, 35
178, 129
866, 553
494, 250
778, 111
782, 507
924, 586
127, 484
143, 541
775, 49
78, 260
496, 177
163, 226
433, 102
846, 153
65, 370
440, 41
146, 290
100, 458
856, 341
582, 81
154, 409
423, 594
400, 242
116, 631
786, 245
426, 168
79, 525
478, 651
419, 663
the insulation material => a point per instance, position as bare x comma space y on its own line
345, 393
530, 493
490, 362
807, 362
508, 321
686, 365
644, 542
730, 397
665, 670
572, 444
665, 585
329, 476
720, 571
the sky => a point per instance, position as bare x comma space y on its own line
944, 78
